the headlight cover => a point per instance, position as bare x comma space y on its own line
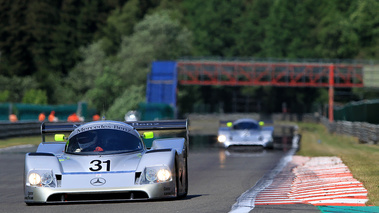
221, 138
42, 178
156, 174
34, 178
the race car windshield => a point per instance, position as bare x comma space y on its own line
246, 125
103, 141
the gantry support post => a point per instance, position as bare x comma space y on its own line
331, 92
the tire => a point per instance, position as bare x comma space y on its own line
176, 178
185, 179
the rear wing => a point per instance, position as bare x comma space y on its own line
51, 128
225, 122
228, 123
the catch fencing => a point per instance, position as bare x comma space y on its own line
358, 111
30, 112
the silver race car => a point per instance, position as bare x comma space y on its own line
245, 132
107, 161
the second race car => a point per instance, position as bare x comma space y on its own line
245, 132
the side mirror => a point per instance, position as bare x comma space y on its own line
148, 135
59, 137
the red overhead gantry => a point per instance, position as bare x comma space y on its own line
271, 74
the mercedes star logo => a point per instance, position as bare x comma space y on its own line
98, 181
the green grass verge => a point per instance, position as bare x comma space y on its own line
362, 159
35, 140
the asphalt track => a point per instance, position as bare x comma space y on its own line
216, 179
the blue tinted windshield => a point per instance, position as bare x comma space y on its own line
103, 141
246, 125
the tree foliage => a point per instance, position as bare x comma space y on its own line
365, 21
15, 39
17, 86
213, 25
96, 51
105, 79
250, 32
4, 95
129, 100
41, 38
35, 96
83, 76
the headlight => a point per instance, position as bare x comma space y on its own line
34, 179
47, 178
221, 138
156, 174
41, 178
163, 175
151, 174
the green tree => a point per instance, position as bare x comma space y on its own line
336, 37
82, 77
42, 18
129, 100
156, 37
121, 23
122, 20
365, 93
213, 25
289, 29
4, 95
35, 96
17, 86
250, 32
365, 20
65, 52
15, 38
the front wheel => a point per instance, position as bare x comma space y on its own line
185, 180
181, 180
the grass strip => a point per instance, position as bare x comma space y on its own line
34, 140
362, 159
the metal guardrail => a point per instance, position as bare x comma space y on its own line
365, 132
20, 128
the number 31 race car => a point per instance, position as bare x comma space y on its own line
107, 161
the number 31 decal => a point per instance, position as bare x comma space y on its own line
97, 165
